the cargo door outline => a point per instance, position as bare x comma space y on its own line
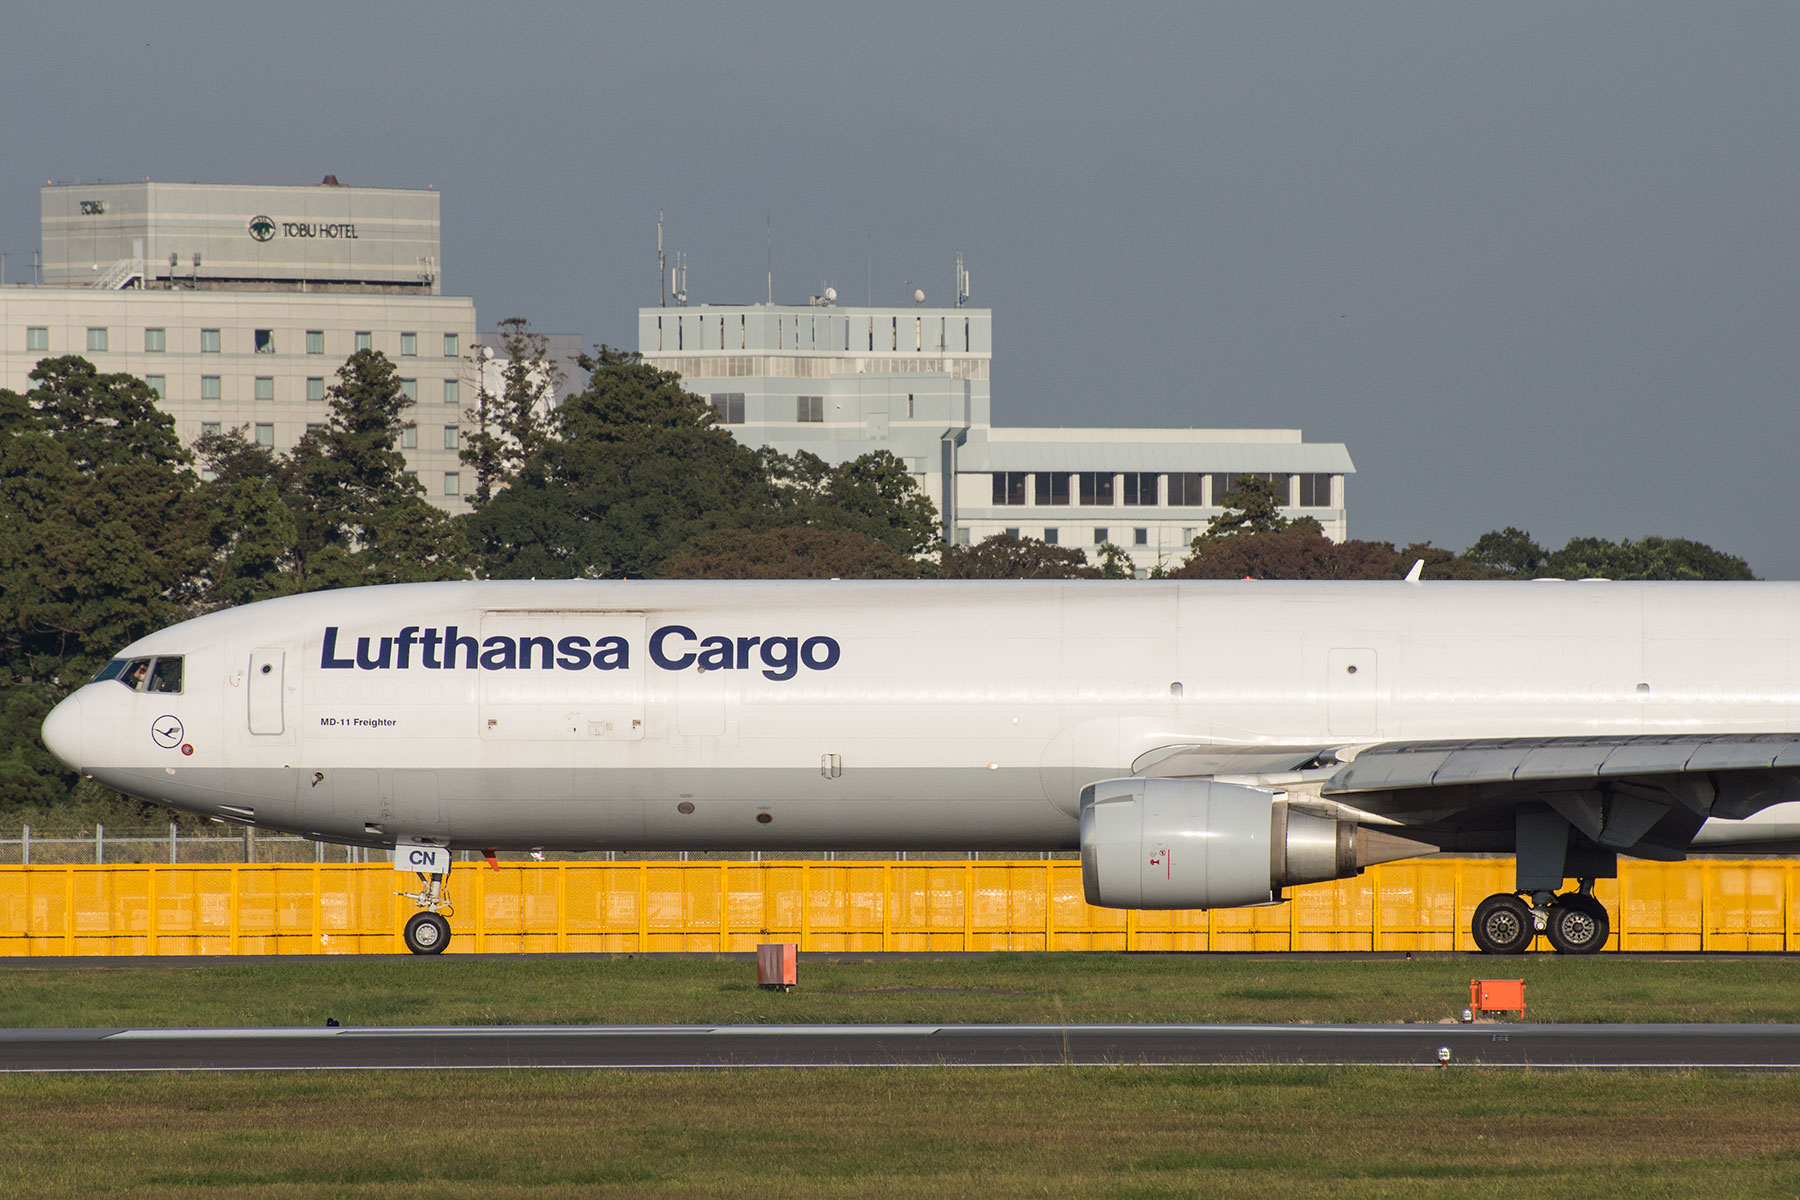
564, 704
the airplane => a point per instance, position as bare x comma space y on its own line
1203, 744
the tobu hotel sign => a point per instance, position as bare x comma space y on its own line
264, 228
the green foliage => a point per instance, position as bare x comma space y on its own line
1297, 551
1251, 506
635, 468
1115, 563
1511, 552
513, 426
1004, 556
874, 495
1508, 550
795, 552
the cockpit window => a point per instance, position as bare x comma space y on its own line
134, 673
110, 670
165, 676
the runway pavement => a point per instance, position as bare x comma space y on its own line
674, 1047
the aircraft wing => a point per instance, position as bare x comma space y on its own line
1645, 795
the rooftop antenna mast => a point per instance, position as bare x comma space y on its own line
769, 232
962, 283
662, 267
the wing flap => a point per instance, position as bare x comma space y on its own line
1397, 765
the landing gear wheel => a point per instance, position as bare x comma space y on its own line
1578, 924
427, 933
1503, 925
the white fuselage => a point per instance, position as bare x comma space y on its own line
863, 714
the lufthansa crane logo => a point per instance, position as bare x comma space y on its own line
166, 732
262, 228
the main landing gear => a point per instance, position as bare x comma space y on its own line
1575, 922
428, 931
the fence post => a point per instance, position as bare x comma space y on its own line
249, 843
99, 843
172, 849
25, 848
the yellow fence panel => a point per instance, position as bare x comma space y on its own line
836, 907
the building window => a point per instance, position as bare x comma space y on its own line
452, 393
1100, 537
1225, 482
265, 387
729, 406
157, 384
365, 340
1096, 487
1050, 537
450, 437
314, 427
211, 428
1140, 537
409, 345
265, 341
1315, 490
265, 435
409, 437
207, 474
209, 341
809, 408
1012, 532
1186, 489
315, 341
1052, 487
452, 483
1139, 487
37, 337
410, 474
154, 341
315, 388
452, 345
209, 387
410, 389
96, 337
1009, 487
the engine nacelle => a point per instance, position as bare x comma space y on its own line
1195, 843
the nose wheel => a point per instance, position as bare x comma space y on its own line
428, 931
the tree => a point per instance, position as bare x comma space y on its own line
1004, 556
794, 552
1251, 506
515, 424
1651, 558
1508, 550
635, 468
874, 495
1115, 563
1298, 551
359, 516
101, 535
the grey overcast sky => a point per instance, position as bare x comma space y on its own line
1535, 264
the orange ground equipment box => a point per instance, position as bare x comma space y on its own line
778, 965
1497, 995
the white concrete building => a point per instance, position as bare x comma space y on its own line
840, 382
239, 304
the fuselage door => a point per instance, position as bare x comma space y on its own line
264, 691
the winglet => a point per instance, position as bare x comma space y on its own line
488, 854
1418, 571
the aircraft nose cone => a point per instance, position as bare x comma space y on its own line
62, 732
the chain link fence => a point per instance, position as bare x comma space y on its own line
51, 846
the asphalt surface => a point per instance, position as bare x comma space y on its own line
674, 1047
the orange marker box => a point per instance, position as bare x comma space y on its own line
1497, 995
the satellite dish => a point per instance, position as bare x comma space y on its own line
918, 295
831, 295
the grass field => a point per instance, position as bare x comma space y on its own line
927, 1132
974, 989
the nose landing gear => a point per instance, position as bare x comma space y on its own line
1575, 922
428, 931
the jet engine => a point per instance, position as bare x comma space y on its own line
1197, 843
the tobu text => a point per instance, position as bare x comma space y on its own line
670, 648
